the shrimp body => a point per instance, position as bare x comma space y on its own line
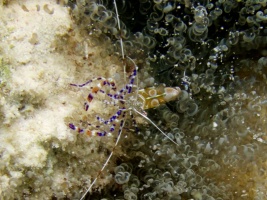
154, 96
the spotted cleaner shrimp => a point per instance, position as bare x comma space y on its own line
129, 99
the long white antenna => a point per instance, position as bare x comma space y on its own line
119, 27
105, 164
119, 135
154, 125
137, 79
121, 42
122, 124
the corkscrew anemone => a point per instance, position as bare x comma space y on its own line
215, 52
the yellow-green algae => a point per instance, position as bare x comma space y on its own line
40, 156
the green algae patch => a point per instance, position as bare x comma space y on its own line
4, 72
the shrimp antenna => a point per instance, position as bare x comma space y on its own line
105, 164
122, 124
120, 32
119, 27
127, 89
144, 116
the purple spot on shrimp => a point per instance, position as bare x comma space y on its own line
101, 134
86, 106
112, 118
80, 130
72, 126
90, 97
129, 90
